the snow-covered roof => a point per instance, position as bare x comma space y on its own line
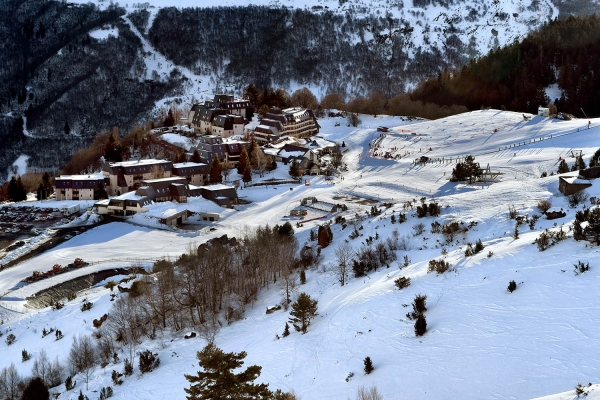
188, 164
90, 177
129, 196
135, 163
576, 180
288, 154
218, 186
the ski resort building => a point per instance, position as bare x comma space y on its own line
222, 116
296, 122
80, 187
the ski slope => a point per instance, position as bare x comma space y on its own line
482, 342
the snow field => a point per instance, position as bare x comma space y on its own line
482, 342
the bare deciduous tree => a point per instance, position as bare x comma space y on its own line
10, 382
344, 254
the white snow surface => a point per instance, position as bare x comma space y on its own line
104, 33
481, 342
19, 167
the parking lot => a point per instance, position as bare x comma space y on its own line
18, 222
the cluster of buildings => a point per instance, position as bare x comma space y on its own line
220, 122
225, 116
136, 184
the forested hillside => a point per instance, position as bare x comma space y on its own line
349, 54
563, 53
67, 81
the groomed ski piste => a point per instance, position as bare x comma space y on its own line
482, 342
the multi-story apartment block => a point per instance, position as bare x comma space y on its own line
222, 116
295, 122
80, 187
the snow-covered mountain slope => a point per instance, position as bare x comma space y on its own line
404, 41
481, 342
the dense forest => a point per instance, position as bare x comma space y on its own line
348, 54
563, 52
61, 82
67, 84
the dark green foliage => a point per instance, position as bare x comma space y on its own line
402, 282
577, 230
304, 310
295, 169
478, 246
217, 380
148, 361
286, 330
563, 167
516, 231
195, 157
105, 393
215, 170
25, 355
70, 383
449, 230
302, 277
581, 268
468, 170
512, 286
419, 305
420, 325
16, 189
549, 238
128, 367
368, 365
10, 339
116, 377
243, 162
439, 266
393, 219
284, 230
513, 75
36, 390
594, 160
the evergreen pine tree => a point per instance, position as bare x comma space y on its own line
46, 181
420, 325
67, 128
294, 169
595, 159
577, 230
243, 162
36, 390
247, 176
302, 277
516, 232
562, 167
303, 311
215, 171
217, 380
12, 189
368, 365
196, 157
170, 120
286, 330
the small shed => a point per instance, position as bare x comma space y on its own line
172, 218
206, 216
543, 111
568, 185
